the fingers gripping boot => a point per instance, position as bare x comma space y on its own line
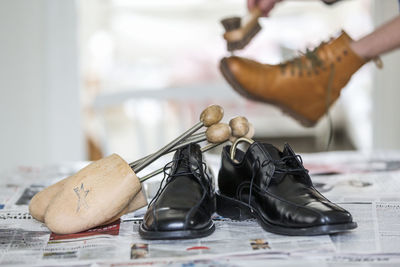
304, 87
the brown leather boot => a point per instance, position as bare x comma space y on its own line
304, 87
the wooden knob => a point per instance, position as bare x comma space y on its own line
211, 115
248, 135
239, 126
251, 132
219, 132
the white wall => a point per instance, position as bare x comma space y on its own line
39, 83
386, 95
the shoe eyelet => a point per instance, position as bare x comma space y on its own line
345, 52
316, 72
309, 73
338, 58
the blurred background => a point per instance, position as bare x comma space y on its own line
83, 79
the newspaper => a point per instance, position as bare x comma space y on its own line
364, 185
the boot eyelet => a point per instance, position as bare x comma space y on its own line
345, 52
309, 73
339, 58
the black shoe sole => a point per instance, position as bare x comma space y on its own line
184, 234
230, 78
238, 210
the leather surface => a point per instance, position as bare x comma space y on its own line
281, 189
187, 201
300, 91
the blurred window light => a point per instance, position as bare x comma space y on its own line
136, 46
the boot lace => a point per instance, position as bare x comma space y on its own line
312, 62
316, 62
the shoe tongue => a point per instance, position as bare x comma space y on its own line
288, 151
272, 151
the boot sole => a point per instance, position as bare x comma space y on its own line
238, 210
230, 78
184, 234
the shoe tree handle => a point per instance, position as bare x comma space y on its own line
239, 122
236, 143
211, 115
216, 133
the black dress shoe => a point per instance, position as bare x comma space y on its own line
275, 188
184, 206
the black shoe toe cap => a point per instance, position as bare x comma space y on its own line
168, 219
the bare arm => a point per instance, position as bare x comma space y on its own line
384, 39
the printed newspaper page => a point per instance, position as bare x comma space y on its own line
365, 185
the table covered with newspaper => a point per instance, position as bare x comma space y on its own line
367, 185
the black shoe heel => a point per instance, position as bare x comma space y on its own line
230, 208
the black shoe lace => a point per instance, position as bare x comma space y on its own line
291, 164
182, 161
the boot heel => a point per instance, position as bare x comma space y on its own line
232, 209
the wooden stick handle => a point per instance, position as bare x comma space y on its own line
247, 25
167, 147
210, 116
194, 138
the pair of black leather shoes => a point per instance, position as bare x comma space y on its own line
263, 183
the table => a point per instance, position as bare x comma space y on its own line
365, 184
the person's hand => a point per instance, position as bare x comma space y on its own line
264, 5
